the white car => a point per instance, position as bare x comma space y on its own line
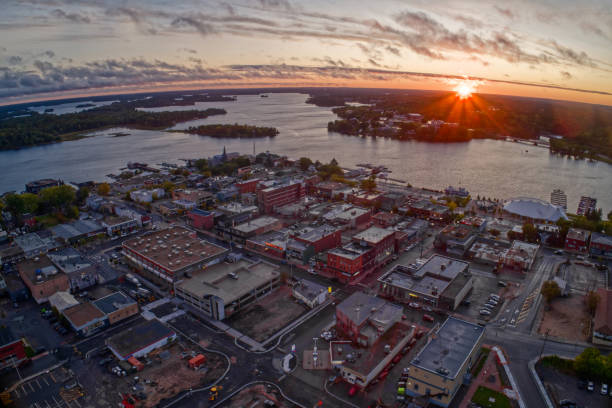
485, 312
604, 389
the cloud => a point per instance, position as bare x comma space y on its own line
393, 50
566, 75
201, 27
591, 28
15, 60
506, 12
73, 17
188, 50
576, 57
276, 4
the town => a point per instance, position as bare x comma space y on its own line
263, 281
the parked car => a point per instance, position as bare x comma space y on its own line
428, 308
428, 318
582, 385
494, 296
566, 403
502, 284
590, 386
604, 389
353, 390
558, 252
414, 305
485, 312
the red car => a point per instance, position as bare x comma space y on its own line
428, 318
383, 375
397, 359
353, 390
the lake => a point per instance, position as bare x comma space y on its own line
491, 168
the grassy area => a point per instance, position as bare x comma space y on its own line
48, 220
484, 354
483, 397
564, 365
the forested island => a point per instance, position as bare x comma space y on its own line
232, 131
159, 101
38, 129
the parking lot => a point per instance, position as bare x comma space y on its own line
484, 286
582, 278
561, 386
57, 388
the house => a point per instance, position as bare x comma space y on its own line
310, 293
577, 240
601, 245
80, 271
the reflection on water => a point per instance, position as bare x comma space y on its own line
486, 167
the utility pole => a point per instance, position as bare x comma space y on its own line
544, 344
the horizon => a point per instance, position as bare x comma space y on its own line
55, 49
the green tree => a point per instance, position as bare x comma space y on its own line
368, 184
304, 163
530, 233
31, 203
81, 195
550, 290
590, 364
201, 165
168, 186
103, 189
14, 203
610, 216
57, 197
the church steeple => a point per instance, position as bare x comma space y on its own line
224, 155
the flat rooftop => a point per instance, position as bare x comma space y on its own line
373, 235
69, 260
174, 248
111, 220
255, 224
30, 242
113, 302
217, 281
350, 213
427, 285
83, 313
235, 207
442, 266
313, 234
458, 231
360, 307
309, 289
138, 337
76, 228
42, 267
449, 348
351, 250
578, 234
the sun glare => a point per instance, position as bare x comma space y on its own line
465, 89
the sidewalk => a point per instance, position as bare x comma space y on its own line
488, 372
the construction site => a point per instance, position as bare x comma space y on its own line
258, 396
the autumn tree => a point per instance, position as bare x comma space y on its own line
592, 300
304, 163
550, 290
530, 233
368, 184
103, 189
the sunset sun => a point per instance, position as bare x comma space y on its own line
465, 89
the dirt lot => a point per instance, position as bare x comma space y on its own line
582, 278
267, 316
567, 319
255, 396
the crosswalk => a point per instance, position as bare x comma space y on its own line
526, 307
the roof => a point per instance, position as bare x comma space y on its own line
313, 234
255, 224
113, 302
578, 234
76, 229
229, 281
309, 289
535, 208
62, 300
449, 348
42, 267
69, 260
82, 314
138, 337
30, 242
360, 307
174, 248
373, 235
352, 250
198, 211
601, 239
602, 323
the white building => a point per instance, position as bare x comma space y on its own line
559, 198
146, 196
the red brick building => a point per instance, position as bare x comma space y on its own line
42, 278
12, 349
320, 238
577, 240
349, 261
247, 186
384, 219
201, 219
279, 195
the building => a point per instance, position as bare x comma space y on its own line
364, 318
199, 197
254, 227
31, 244
62, 301
85, 319
310, 293
382, 241
443, 364
74, 231
487, 251
12, 349
278, 195
359, 365
273, 243
348, 216
117, 226
520, 255
429, 211
80, 271
234, 213
456, 239
117, 306
11, 254
140, 340
309, 241
602, 322
456, 192
147, 196
384, 219
328, 189
559, 198
42, 278
349, 261
34, 187
201, 219
577, 240
167, 255
247, 186
534, 210
440, 282
15, 288
586, 205
601, 245
225, 288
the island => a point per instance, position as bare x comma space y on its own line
85, 105
231, 131
38, 129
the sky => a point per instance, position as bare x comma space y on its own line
557, 49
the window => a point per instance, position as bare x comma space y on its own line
416, 386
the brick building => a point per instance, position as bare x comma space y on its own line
247, 186
601, 245
278, 195
12, 349
201, 219
42, 278
577, 240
